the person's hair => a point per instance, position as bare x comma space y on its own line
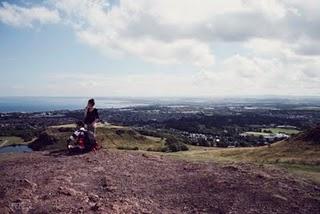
91, 101
80, 123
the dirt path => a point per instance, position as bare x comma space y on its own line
4, 143
132, 182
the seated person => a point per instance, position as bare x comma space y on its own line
81, 140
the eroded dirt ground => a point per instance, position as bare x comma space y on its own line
133, 182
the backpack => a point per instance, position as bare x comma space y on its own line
90, 141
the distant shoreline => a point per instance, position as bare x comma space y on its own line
45, 104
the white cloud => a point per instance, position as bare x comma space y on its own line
169, 32
277, 41
113, 31
25, 17
252, 75
179, 51
179, 31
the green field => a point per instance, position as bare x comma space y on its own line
311, 172
257, 134
264, 132
282, 130
10, 140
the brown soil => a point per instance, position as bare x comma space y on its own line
134, 182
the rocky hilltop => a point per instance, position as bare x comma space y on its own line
111, 181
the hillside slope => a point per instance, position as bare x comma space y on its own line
303, 148
299, 155
292, 151
111, 137
134, 182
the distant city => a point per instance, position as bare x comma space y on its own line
232, 122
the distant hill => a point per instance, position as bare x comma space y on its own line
303, 148
299, 154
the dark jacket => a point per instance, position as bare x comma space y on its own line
91, 116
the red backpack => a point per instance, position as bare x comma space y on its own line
86, 141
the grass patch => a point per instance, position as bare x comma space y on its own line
115, 138
282, 130
310, 172
265, 132
257, 134
299, 158
11, 140
109, 137
281, 152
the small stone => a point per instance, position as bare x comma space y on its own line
18, 200
111, 188
68, 191
86, 199
26, 183
231, 168
280, 197
94, 197
96, 206
104, 182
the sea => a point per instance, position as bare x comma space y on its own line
41, 104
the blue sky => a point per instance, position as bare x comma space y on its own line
151, 48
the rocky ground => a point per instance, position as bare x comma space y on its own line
135, 182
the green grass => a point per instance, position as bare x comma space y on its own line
11, 140
257, 134
299, 158
109, 137
281, 152
310, 172
273, 131
282, 130
127, 138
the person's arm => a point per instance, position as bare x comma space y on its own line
85, 112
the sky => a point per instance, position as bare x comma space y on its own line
159, 48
